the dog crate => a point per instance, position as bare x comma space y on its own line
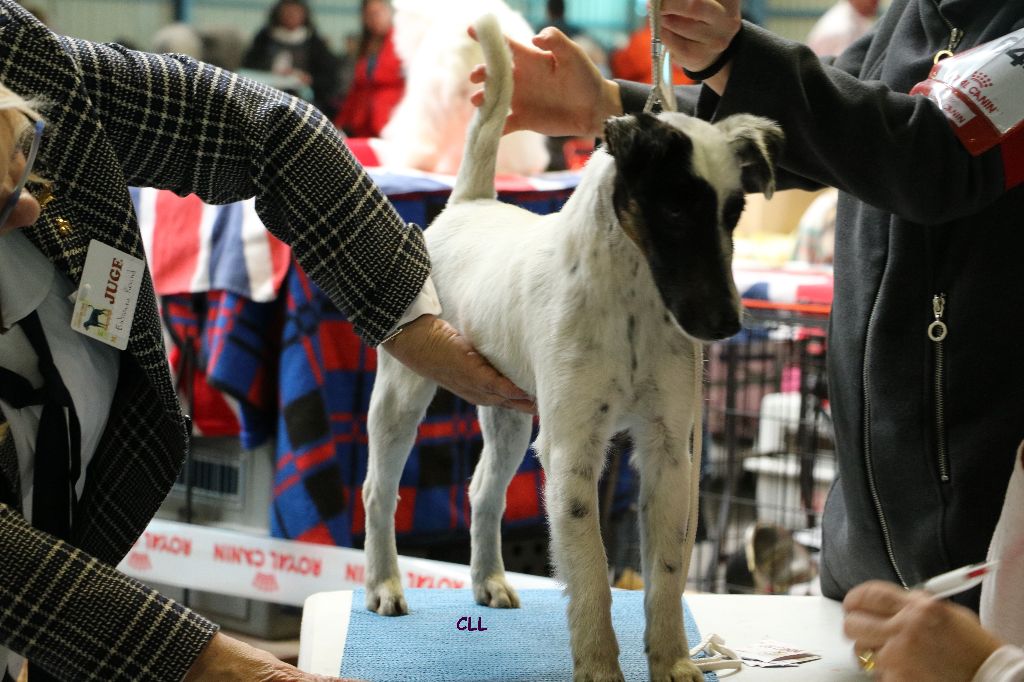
769, 457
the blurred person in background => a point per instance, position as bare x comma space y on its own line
841, 26
289, 45
556, 18
378, 78
178, 38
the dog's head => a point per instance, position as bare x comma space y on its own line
679, 191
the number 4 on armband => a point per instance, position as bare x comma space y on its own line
1016, 56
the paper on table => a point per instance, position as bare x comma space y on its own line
771, 654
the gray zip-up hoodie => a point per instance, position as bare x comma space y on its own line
925, 430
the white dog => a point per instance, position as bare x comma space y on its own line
427, 130
599, 311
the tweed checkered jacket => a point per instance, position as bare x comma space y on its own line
118, 118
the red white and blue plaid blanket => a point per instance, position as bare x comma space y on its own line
288, 365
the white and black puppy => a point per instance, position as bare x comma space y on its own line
600, 312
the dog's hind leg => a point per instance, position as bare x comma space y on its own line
399, 401
506, 438
665, 514
573, 462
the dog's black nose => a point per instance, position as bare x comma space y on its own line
730, 328
715, 330
725, 330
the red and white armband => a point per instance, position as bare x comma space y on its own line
981, 93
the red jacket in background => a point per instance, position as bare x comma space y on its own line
377, 86
633, 62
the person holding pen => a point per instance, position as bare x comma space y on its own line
916, 635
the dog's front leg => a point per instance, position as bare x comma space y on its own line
399, 401
506, 438
573, 466
665, 510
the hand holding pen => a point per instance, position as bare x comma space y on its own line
916, 634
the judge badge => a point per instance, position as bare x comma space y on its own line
981, 93
107, 295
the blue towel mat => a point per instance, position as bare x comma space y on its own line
528, 644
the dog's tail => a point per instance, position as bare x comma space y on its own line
476, 174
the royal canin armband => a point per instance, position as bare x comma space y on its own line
981, 93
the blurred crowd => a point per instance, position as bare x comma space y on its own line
359, 84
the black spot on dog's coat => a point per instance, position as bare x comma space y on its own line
578, 509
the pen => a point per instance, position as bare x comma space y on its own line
958, 580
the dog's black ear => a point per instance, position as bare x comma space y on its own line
642, 143
757, 143
621, 133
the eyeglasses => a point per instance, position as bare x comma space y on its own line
29, 146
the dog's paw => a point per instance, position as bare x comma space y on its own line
386, 599
684, 670
496, 593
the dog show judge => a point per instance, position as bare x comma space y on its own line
92, 436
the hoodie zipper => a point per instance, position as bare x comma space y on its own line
868, 457
937, 332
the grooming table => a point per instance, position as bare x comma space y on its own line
532, 643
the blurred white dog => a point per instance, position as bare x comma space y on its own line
428, 127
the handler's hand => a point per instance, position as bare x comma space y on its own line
432, 347
697, 31
557, 89
226, 659
914, 636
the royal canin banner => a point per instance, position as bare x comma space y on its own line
282, 571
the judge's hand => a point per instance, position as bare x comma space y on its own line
226, 659
557, 89
910, 635
433, 348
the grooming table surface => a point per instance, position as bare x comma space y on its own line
532, 643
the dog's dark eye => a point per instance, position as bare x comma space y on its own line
732, 210
675, 214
